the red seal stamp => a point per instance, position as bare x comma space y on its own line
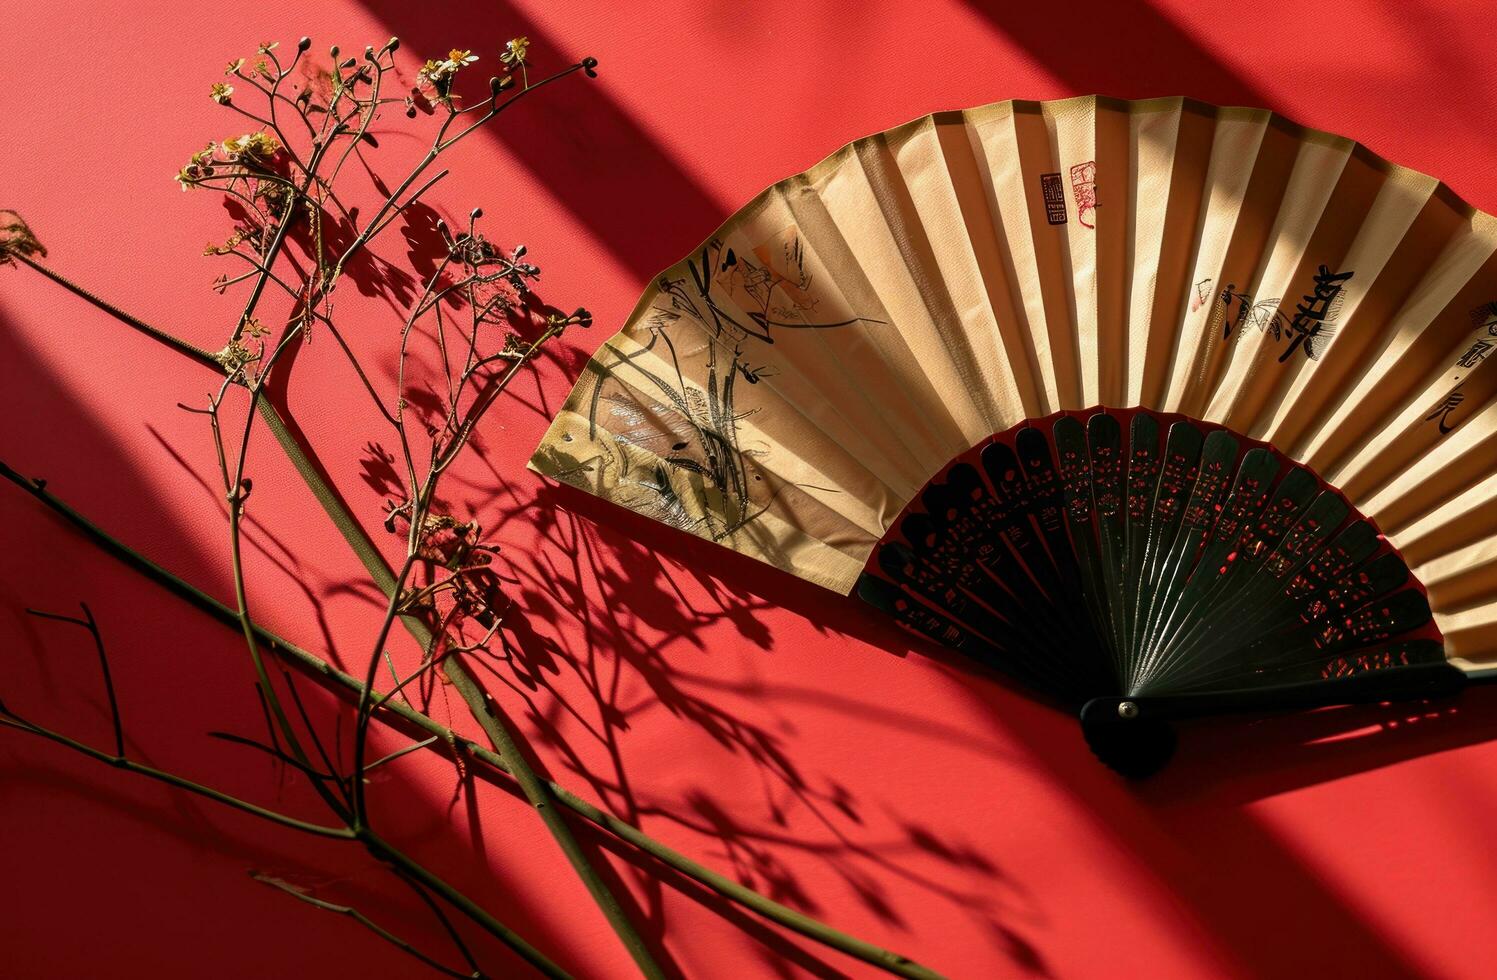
1084, 187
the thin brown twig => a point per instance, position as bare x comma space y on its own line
89, 623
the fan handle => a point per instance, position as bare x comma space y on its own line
1133, 735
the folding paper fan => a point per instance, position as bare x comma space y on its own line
1163, 409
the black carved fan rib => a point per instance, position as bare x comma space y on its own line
1163, 565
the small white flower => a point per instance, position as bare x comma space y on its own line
438, 74
514, 52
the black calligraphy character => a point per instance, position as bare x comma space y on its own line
1451, 403
1476, 354
1310, 316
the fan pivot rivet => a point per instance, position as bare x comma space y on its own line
1127, 709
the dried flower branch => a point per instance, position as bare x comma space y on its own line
460, 750
282, 175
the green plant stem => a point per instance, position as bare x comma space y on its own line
161, 336
485, 710
11, 720
365, 712
359, 917
450, 740
418, 873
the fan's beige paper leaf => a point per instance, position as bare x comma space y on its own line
790, 386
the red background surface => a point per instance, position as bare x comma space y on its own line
765, 727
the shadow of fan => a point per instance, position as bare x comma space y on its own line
1247, 758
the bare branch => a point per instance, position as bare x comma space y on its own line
88, 623
301, 894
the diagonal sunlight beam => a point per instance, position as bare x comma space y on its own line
1123, 48
610, 174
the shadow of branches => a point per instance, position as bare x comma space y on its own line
605, 630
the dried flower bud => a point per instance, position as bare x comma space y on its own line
369, 53
16, 238
332, 52
589, 66
392, 44
475, 214
303, 45
250, 147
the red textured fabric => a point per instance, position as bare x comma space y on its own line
774, 731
